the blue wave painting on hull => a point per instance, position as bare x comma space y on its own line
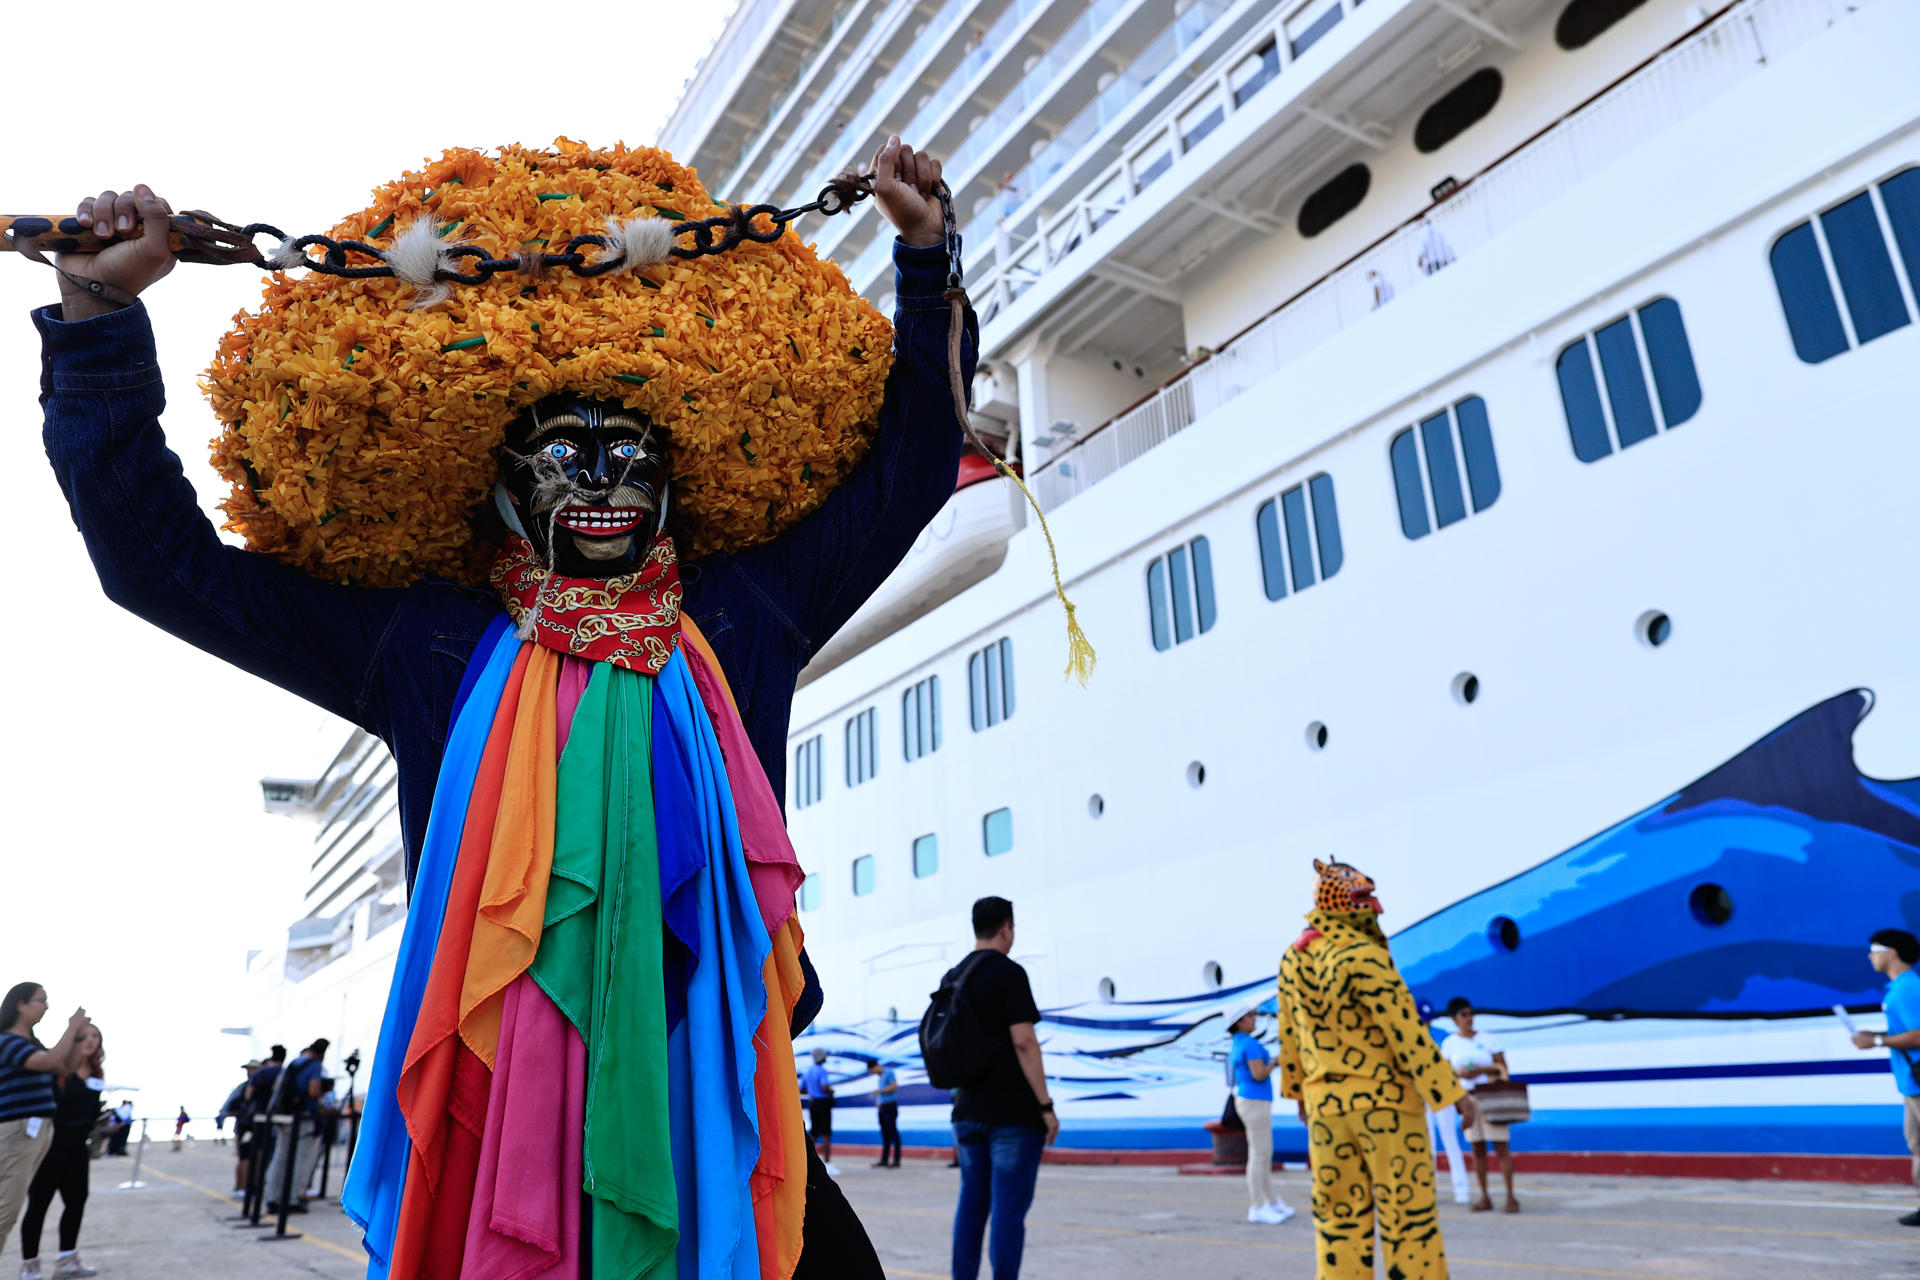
1749, 893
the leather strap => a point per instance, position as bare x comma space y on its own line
98, 288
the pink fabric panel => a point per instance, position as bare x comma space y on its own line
574, 674
526, 1204
771, 863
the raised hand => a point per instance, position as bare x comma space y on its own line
904, 182
130, 266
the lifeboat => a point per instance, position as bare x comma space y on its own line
963, 545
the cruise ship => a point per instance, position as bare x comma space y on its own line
1326, 333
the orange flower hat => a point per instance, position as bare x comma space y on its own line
359, 428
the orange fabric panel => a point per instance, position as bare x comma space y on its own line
780, 1177
699, 642
513, 897
427, 1077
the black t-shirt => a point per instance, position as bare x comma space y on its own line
998, 990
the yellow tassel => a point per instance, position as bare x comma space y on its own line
1080, 654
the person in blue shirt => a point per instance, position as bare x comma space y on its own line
1252, 1064
1894, 953
886, 1103
817, 1087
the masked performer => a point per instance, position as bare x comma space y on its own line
1355, 1057
564, 539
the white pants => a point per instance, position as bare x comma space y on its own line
1447, 1122
1257, 1115
304, 1159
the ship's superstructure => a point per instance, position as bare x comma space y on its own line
1463, 425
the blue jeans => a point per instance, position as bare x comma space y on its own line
999, 1164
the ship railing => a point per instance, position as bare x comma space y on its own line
829, 41
1729, 47
1018, 190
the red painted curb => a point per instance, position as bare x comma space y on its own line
1617, 1164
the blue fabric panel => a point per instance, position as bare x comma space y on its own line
371, 1196
1443, 468
1408, 487
1626, 383
1806, 296
1580, 396
1674, 376
1476, 442
1865, 269
1326, 525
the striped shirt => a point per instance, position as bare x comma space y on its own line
23, 1093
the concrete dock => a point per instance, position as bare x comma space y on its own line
1112, 1223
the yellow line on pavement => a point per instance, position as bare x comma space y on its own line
1541, 1268
306, 1236
1743, 1229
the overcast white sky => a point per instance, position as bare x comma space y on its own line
140, 867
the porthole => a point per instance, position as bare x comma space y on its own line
1316, 736
1466, 688
1095, 806
1711, 904
1462, 107
1340, 196
1105, 990
1654, 628
1583, 20
1196, 775
1213, 975
1503, 933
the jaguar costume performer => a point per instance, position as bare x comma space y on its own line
562, 531
1355, 1056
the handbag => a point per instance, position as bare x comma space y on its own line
1503, 1101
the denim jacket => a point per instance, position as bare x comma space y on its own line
390, 660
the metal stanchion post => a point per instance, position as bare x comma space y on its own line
133, 1183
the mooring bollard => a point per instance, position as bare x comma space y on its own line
133, 1183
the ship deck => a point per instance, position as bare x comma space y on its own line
1126, 1224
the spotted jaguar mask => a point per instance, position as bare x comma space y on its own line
1341, 887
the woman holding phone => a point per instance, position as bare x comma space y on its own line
27, 1068
76, 1100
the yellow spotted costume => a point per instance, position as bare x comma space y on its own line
1354, 1051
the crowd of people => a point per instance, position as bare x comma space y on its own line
285, 1116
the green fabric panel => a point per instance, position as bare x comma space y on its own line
599, 960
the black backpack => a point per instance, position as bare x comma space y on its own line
953, 1039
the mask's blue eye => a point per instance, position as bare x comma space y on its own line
559, 452
628, 450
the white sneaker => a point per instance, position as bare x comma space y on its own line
1461, 1197
30, 1269
833, 1170
1281, 1209
1264, 1215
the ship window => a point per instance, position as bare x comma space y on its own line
1340, 196
1143, 177
1844, 253
1628, 412
1311, 21
926, 856
810, 893
920, 719
863, 875
1180, 602
1289, 554
1457, 111
1200, 120
1427, 464
862, 754
807, 772
1583, 20
990, 684
996, 832
1254, 71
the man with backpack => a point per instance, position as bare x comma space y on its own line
977, 1039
